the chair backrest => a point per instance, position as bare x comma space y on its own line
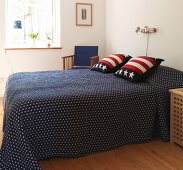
82, 55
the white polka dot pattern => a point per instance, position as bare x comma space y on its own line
162, 80
77, 112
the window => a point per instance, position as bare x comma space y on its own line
30, 17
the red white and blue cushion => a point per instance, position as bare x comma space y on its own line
111, 63
138, 68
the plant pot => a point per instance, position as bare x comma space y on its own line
33, 43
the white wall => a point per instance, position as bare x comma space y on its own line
123, 16
82, 35
71, 35
3, 73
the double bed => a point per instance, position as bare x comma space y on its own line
78, 112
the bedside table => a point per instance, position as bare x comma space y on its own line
176, 116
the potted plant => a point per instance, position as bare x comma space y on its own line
33, 36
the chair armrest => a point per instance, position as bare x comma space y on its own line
94, 60
67, 62
67, 56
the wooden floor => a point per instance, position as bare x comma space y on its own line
1, 107
1, 120
156, 155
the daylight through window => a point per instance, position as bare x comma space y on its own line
33, 20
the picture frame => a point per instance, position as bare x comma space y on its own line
84, 14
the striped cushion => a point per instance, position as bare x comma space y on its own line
139, 68
111, 63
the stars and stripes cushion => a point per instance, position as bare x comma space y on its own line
138, 68
111, 63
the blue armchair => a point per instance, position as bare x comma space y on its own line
84, 57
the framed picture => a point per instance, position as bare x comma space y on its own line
83, 14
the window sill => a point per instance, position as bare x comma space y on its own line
35, 48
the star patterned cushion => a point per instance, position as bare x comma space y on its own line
138, 68
111, 63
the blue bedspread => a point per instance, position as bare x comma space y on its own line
77, 112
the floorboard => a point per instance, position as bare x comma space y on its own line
156, 155
1, 120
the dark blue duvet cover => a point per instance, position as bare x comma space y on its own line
78, 112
